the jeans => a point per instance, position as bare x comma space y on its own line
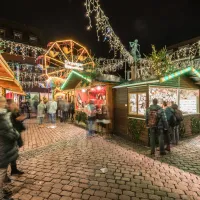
52, 118
175, 135
153, 134
91, 127
40, 120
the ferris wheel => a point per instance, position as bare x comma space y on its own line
64, 56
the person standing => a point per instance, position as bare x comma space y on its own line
156, 121
41, 113
27, 108
169, 111
72, 110
52, 112
179, 119
91, 113
8, 145
66, 110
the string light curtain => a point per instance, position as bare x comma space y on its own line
103, 26
21, 49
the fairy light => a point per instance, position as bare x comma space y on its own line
103, 26
25, 49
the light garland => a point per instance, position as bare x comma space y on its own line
103, 26
109, 65
21, 49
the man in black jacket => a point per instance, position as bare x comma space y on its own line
8, 144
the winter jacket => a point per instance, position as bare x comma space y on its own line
169, 112
66, 107
52, 107
8, 139
162, 119
41, 110
18, 125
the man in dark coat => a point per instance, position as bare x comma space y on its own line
156, 114
8, 144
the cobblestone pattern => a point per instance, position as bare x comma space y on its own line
72, 171
185, 156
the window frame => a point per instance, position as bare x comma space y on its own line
136, 113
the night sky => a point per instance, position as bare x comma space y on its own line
150, 21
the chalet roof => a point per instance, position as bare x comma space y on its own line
190, 71
73, 79
7, 78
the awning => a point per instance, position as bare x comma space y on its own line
7, 78
73, 79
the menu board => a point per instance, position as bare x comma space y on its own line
189, 101
141, 103
133, 103
188, 106
163, 94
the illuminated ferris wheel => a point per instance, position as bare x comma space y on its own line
63, 56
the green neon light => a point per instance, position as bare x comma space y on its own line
171, 76
69, 77
196, 72
136, 84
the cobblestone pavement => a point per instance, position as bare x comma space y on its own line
185, 156
62, 164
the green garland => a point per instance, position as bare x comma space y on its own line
135, 128
195, 125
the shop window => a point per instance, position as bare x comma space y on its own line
189, 101
2, 33
163, 94
33, 39
137, 103
17, 36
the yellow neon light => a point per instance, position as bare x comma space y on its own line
56, 60
61, 51
80, 55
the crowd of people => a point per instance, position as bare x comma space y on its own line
10, 141
52, 109
163, 123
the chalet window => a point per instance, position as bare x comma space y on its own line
2, 33
33, 39
17, 36
137, 103
188, 102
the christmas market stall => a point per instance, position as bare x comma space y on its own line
86, 88
9, 86
134, 97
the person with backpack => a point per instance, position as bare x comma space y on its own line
179, 119
156, 121
171, 119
